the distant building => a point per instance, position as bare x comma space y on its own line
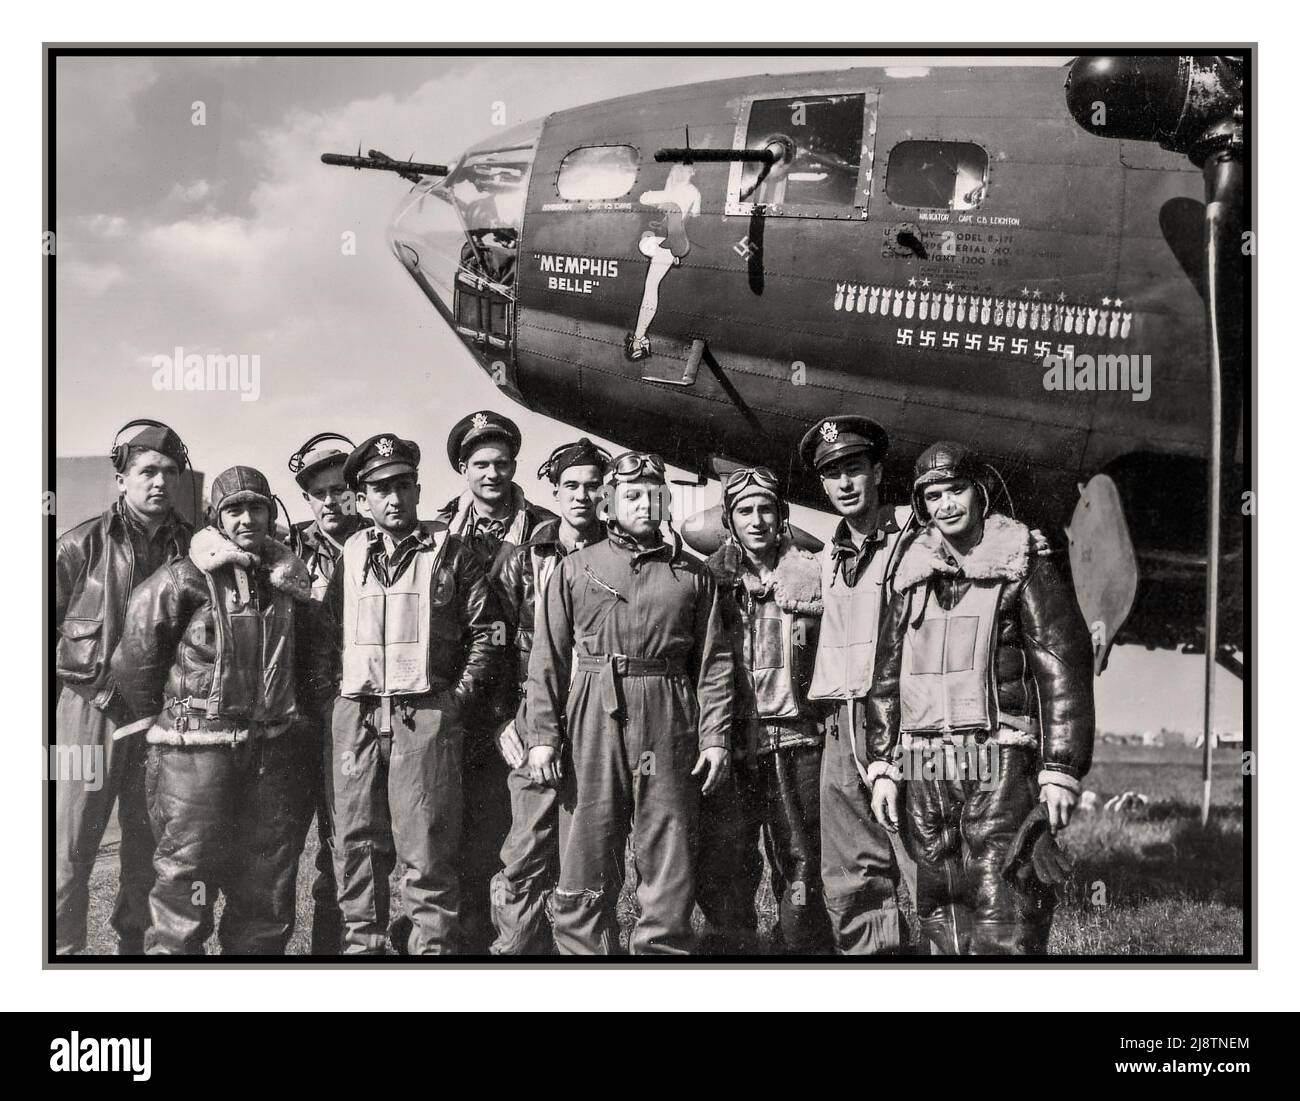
1222, 737
84, 487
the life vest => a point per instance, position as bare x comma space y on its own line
946, 681
387, 629
846, 649
768, 654
253, 666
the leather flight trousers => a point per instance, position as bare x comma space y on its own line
226, 818
91, 771
862, 862
397, 797
960, 830
486, 824
791, 783
778, 800
730, 863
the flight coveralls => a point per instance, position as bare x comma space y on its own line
992, 656
321, 555
97, 565
862, 862
414, 627
487, 802
211, 651
651, 688
530, 857
778, 771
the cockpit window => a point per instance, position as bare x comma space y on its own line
828, 174
597, 172
462, 231
940, 175
488, 190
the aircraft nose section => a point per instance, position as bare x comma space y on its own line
427, 239
458, 236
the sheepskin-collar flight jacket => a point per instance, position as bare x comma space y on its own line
1042, 661
221, 634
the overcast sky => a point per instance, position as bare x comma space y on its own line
226, 238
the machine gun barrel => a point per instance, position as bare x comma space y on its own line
380, 162
774, 152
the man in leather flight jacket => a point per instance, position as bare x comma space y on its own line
774, 590
97, 564
983, 693
492, 517
213, 651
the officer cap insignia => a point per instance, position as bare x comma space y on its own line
384, 447
830, 431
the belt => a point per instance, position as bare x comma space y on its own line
385, 704
772, 734
185, 716
614, 667
1006, 735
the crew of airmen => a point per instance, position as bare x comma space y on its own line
512, 705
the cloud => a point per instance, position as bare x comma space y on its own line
95, 100
192, 192
90, 279
104, 227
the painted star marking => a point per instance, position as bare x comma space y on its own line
912, 282
947, 286
1105, 301
925, 282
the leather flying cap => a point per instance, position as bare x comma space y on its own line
945, 461
833, 438
478, 428
162, 439
240, 485
582, 453
750, 482
380, 457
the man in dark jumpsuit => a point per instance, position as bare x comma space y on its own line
317, 467
531, 853
646, 713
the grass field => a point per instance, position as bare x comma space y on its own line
1153, 885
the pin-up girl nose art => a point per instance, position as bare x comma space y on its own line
665, 244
